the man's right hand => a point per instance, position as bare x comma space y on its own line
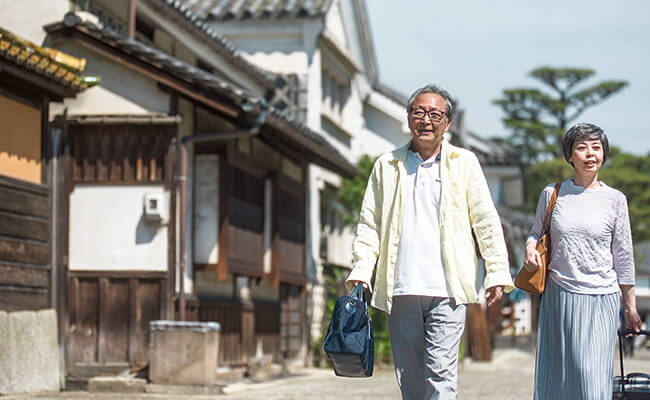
533, 260
355, 283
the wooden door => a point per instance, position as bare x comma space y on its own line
108, 311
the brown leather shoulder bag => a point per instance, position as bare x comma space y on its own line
534, 282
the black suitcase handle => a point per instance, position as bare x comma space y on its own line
622, 333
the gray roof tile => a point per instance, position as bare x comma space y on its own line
195, 12
160, 59
221, 10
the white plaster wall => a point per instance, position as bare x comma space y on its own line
281, 62
382, 133
127, 89
206, 211
495, 186
258, 36
387, 106
199, 47
314, 92
335, 25
352, 32
513, 192
353, 117
88, 103
339, 246
506, 185
108, 230
27, 17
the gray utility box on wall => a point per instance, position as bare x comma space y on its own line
183, 353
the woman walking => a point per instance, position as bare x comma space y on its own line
591, 258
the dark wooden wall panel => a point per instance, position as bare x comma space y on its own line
109, 314
21, 298
229, 316
24, 245
149, 309
292, 319
114, 321
267, 328
242, 326
24, 199
291, 257
21, 275
23, 227
291, 233
83, 304
120, 153
245, 252
23, 251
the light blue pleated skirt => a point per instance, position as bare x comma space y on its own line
575, 345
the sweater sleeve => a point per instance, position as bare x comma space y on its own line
622, 248
540, 213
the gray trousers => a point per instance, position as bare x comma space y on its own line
424, 335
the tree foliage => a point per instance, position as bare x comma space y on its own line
625, 172
538, 119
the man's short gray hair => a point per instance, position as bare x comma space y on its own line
584, 131
430, 88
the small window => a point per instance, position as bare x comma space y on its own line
334, 94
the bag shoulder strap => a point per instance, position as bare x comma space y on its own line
549, 209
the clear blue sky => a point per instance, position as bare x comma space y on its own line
475, 49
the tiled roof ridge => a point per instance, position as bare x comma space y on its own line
159, 57
41, 60
228, 48
224, 10
299, 127
391, 93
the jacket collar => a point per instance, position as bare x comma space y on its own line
447, 152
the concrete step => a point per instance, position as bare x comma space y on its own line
191, 390
117, 384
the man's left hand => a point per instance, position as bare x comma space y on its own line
493, 294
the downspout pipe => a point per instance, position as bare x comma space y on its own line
132, 13
182, 178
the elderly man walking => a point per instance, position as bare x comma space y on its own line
421, 204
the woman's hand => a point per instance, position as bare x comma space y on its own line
632, 319
532, 261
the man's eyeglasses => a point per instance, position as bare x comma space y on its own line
434, 115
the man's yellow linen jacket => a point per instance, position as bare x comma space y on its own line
465, 204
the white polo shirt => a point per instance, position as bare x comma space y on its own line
420, 267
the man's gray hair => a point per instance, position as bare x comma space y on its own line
584, 131
430, 88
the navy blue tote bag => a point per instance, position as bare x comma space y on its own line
350, 344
